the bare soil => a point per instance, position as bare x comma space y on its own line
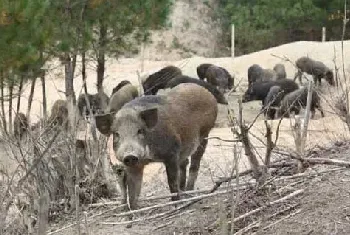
322, 208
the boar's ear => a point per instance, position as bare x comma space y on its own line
104, 123
150, 117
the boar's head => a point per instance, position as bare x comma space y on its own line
130, 130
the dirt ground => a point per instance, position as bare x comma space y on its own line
322, 208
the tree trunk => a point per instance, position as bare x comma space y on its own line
11, 82
101, 57
3, 115
20, 87
92, 118
30, 99
83, 73
43, 86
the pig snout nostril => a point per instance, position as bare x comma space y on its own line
130, 160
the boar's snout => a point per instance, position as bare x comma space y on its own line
130, 160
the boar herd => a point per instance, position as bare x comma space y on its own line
281, 96
172, 128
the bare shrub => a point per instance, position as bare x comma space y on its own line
53, 173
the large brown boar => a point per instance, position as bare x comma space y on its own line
165, 129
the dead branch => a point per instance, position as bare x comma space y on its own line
193, 199
326, 161
246, 229
269, 144
283, 199
235, 87
235, 197
259, 172
152, 198
164, 225
90, 220
227, 179
223, 140
280, 220
289, 208
307, 117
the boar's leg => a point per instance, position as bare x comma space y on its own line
298, 75
134, 180
183, 169
172, 171
319, 107
195, 164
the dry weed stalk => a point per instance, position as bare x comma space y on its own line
242, 131
48, 169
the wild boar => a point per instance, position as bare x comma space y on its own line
317, 69
257, 74
220, 98
159, 79
219, 77
259, 90
202, 70
296, 100
165, 129
125, 94
272, 101
280, 71
59, 114
20, 125
120, 85
98, 103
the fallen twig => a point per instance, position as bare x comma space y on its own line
250, 226
252, 212
327, 161
163, 225
197, 198
152, 198
280, 220
223, 140
89, 221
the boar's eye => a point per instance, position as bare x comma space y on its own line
141, 132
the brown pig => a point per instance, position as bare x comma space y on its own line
165, 129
